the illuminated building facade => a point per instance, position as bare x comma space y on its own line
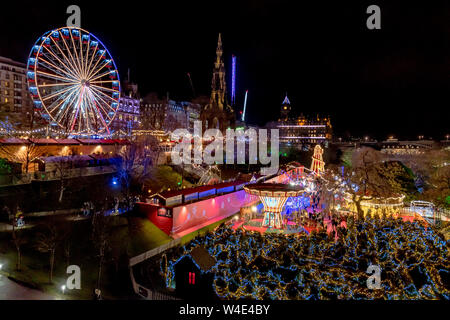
14, 96
128, 114
168, 115
302, 131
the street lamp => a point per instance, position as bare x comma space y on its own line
63, 288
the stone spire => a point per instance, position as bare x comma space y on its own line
218, 86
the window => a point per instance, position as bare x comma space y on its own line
192, 278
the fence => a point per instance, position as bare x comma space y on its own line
73, 173
146, 293
15, 179
26, 178
146, 255
141, 290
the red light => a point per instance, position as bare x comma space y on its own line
191, 277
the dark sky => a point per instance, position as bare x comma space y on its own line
390, 81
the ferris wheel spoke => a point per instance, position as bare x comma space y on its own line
53, 76
73, 69
101, 116
100, 76
60, 116
100, 100
104, 111
77, 109
100, 68
97, 115
100, 103
92, 112
89, 110
76, 54
105, 95
65, 102
63, 99
59, 60
81, 54
59, 92
58, 84
92, 56
86, 62
103, 81
70, 54
64, 73
103, 88
95, 66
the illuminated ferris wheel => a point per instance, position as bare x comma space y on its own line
73, 81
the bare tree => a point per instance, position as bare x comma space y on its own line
135, 162
25, 154
19, 240
48, 241
101, 226
63, 169
435, 168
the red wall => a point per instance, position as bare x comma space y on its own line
191, 215
163, 223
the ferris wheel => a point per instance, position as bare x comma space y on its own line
73, 81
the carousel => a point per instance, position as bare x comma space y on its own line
273, 197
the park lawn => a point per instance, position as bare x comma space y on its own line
145, 236
35, 265
203, 231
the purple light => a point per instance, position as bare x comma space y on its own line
233, 80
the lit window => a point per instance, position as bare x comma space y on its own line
191, 277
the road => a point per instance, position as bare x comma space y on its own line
10, 290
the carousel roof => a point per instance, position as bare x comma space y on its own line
274, 190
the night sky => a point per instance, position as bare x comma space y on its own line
372, 82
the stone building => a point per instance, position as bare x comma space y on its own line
218, 113
15, 101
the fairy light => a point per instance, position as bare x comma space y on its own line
321, 274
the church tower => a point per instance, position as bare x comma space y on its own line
285, 109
